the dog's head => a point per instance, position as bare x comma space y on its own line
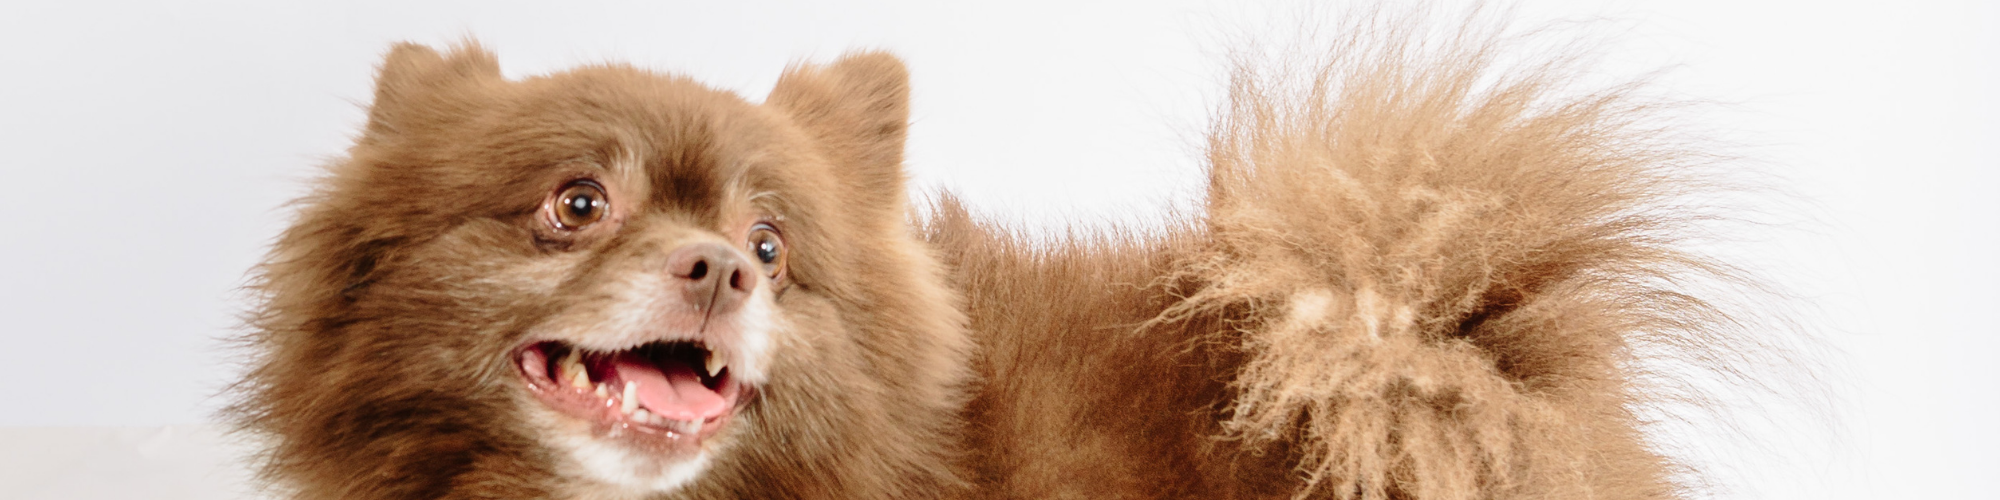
610, 282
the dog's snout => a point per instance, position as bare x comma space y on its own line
712, 277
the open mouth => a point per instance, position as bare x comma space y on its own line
671, 394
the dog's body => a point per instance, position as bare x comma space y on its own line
1409, 282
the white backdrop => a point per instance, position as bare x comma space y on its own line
151, 146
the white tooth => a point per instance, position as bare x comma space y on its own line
572, 366
631, 397
603, 392
716, 364
682, 426
642, 416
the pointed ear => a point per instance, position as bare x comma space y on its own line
858, 109
414, 77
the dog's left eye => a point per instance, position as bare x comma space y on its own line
580, 204
768, 248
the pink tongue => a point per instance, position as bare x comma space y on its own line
676, 394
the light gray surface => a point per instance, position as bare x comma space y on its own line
121, 463
148, 147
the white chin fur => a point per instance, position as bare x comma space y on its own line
626, 469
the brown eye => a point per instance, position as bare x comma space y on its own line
579, 204
768, 248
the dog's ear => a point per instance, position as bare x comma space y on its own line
414, 78
858, 109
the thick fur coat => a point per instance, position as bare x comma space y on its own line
1415, 276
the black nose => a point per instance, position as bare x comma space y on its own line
711, 276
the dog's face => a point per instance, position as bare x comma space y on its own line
611, 283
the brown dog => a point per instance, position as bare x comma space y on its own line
1413, 279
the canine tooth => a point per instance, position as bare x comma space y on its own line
715, 363
572, 364
631, 402
580, 379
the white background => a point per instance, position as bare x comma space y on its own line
148, 149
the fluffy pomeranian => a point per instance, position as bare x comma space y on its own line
1414, 277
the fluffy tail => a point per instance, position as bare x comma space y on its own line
1445, 268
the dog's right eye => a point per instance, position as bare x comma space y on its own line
579, 204
769, 249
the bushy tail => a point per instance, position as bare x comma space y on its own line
1448, 263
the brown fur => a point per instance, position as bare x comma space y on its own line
392, 301
1415, 277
